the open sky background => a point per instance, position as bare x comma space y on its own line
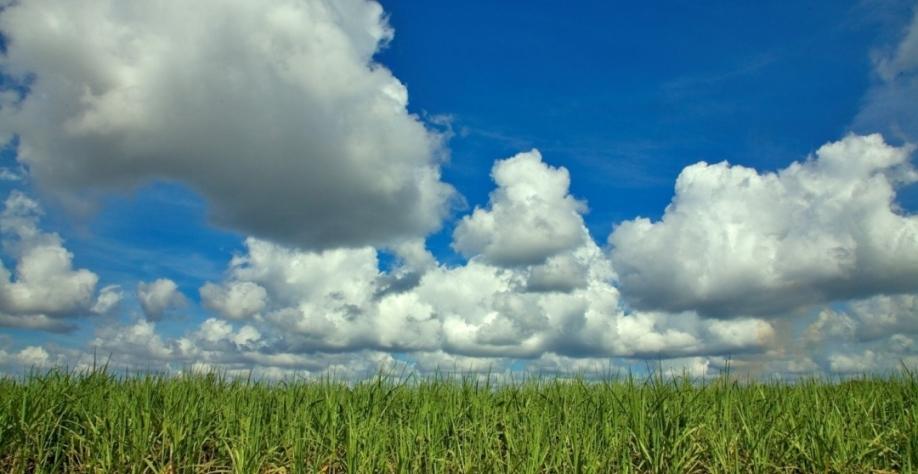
307, 186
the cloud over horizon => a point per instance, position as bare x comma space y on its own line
297, 139
736, 242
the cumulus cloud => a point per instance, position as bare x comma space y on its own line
554, 364
159, 297
274, 111
564, 302
43, 291
136, 342
444, 363
531, 215
30, 357
738, 242
853, 363
237, 300
868, 320
278, 115
217, 345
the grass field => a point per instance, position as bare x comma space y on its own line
60, 422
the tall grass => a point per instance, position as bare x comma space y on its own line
97, 422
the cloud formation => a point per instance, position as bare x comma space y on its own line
888, 106
274, 111
283, 311
278, 115
43, 291
737, 242
562, 302
159, 297
530, 218
237, 300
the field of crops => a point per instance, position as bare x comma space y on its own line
59, 422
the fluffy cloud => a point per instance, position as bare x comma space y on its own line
30, 357
853, 363
867, 320
215, 345
138, 343
277, 114
108, 299
531, 215
321, 300
274, 111
563, 302
44, 291
159, 297
738, 242
237, 300
443, 363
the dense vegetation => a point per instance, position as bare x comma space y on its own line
97, 422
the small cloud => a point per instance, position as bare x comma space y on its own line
159, 297
7, 174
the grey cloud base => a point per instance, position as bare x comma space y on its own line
286, 311
735, 242
274, 111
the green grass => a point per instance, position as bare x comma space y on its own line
97, 422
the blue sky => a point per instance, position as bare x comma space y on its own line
286, 131
625, 96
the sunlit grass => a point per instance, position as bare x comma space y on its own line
98, 422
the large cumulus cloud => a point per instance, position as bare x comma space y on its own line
275, 111
738, 242
560, 299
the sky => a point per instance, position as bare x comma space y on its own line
299, 188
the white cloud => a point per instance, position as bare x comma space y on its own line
904, 58
443, 363
278, 115
867, 320
869, 335
38, 322
217, 345
237, 300
553, 364
28, 358
853, 363
108, 299
274, 111
888, 106
7, 174
882, 316
693, 367
340, 300
159, 297
830, 325
138, 343
737, 242
43, 291
314, 312
33, 356
531, 216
